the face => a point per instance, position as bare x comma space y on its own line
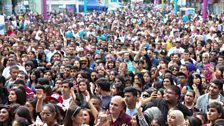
77, 64
12, 96
82, 87
134, 121
47, 75
113, 90
213, 114
79, 118
79, 76
146, 77
86, 117
166, 83
189, 97
115, 105
96, 103
196, 81
129, 98
205, 58
4, 115
29, 106
181, 79
47, 115
33, 76
170, 96
214, 90
65, 88
14, 73
171, 120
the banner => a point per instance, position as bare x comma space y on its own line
2, 25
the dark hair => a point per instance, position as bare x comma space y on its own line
218, 107
8, 108
22, 121
91, 117
119, 87
13, 67
104, 84
219, 122
40, 55
194, 121
71, 112
69, 82
176, 89
132, 90
22, 111
36, 72
170, 79
21, 99
219, 83
191, 77
43, 81
160, 120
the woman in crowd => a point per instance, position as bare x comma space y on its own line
16, 96
74, 117
49, 115
5, 115
215, 111
175, 118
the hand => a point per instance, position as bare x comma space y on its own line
139, 104
195, 88
39, 93
154, 95
87, 96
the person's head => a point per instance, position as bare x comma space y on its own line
219, 122
172, 94
102, 84
158, 121
130, 95
23, 112
74, 115
5, 114
117, 88
49, 114
205, 58
18, 83
22, 76
66, 85
20, 121
202, 117
14, 71
11, 60
17, 96
88, 117
96, 101
215, 111
83, 85
175, 118
117, 105
147, 77
35, 74
215, 87
189, 96
167, 81
31, 106
192, 121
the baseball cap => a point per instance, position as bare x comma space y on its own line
55, 97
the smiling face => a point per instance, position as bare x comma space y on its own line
4, 115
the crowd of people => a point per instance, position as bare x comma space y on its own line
136, 66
